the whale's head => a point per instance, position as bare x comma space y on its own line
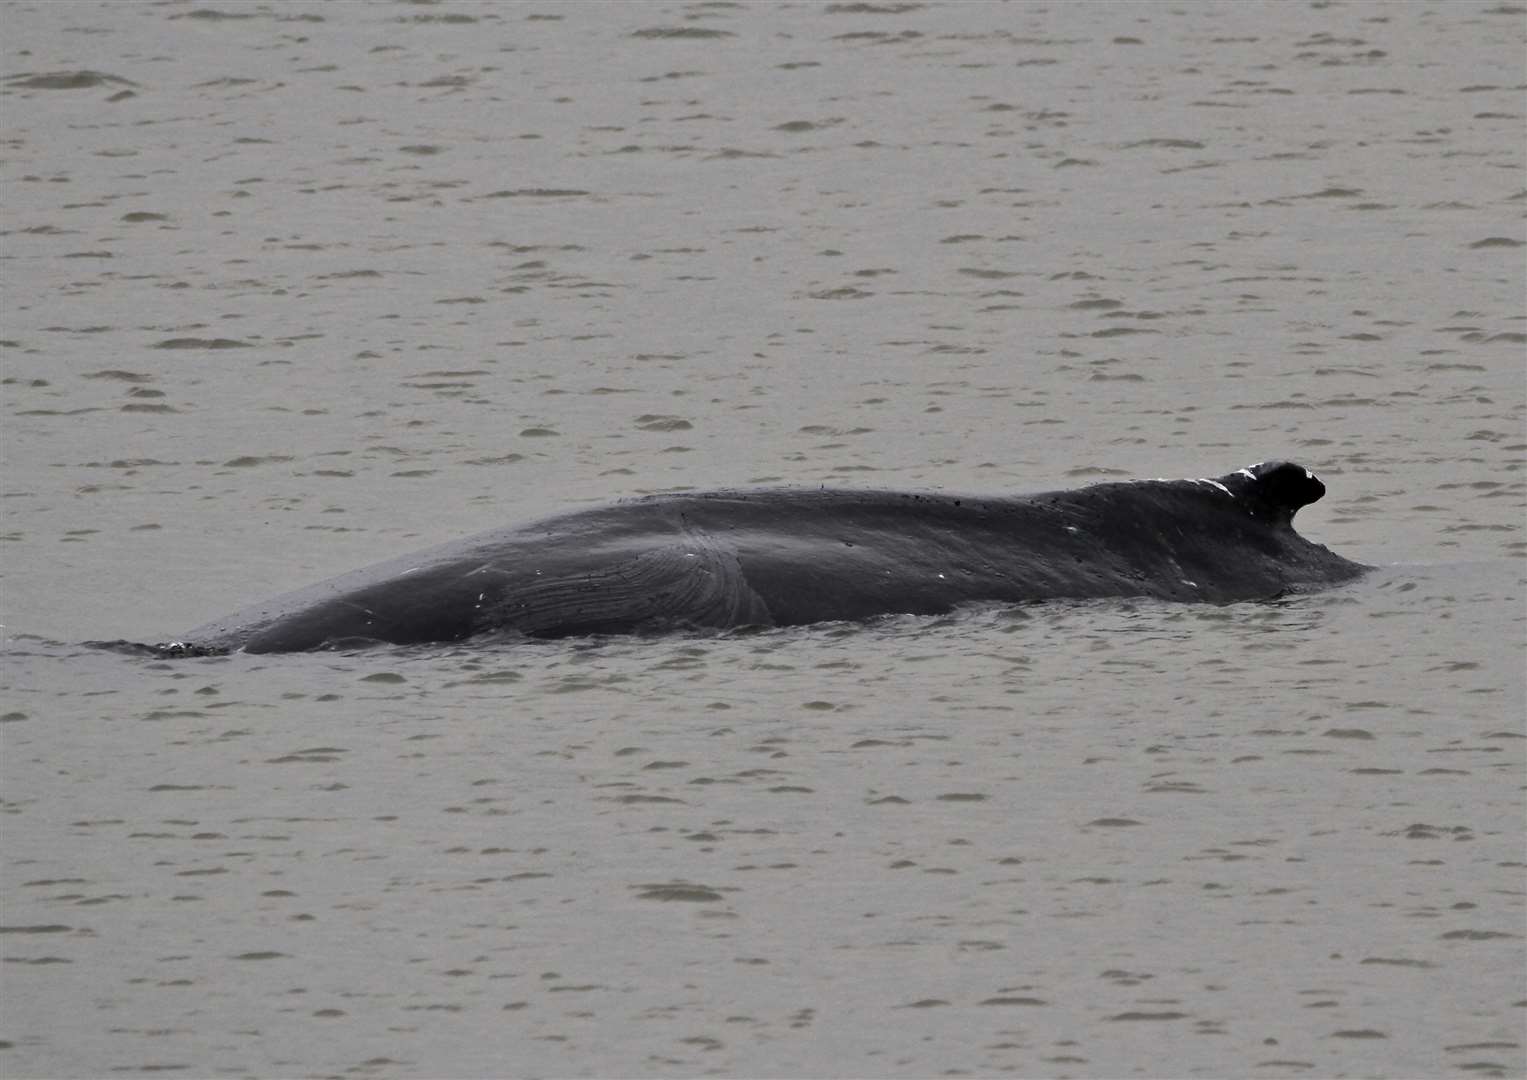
1278, 488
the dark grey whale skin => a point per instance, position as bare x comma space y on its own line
784, 557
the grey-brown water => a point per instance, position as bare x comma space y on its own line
292, 288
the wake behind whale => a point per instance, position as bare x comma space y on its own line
784, 557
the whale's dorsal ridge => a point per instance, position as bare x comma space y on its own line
792, 556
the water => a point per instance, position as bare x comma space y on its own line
289, 290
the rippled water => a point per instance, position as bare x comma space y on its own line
292, 288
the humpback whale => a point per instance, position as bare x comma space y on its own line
788, 556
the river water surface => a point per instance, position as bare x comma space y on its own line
294, 287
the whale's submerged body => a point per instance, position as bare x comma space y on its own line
782, 557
